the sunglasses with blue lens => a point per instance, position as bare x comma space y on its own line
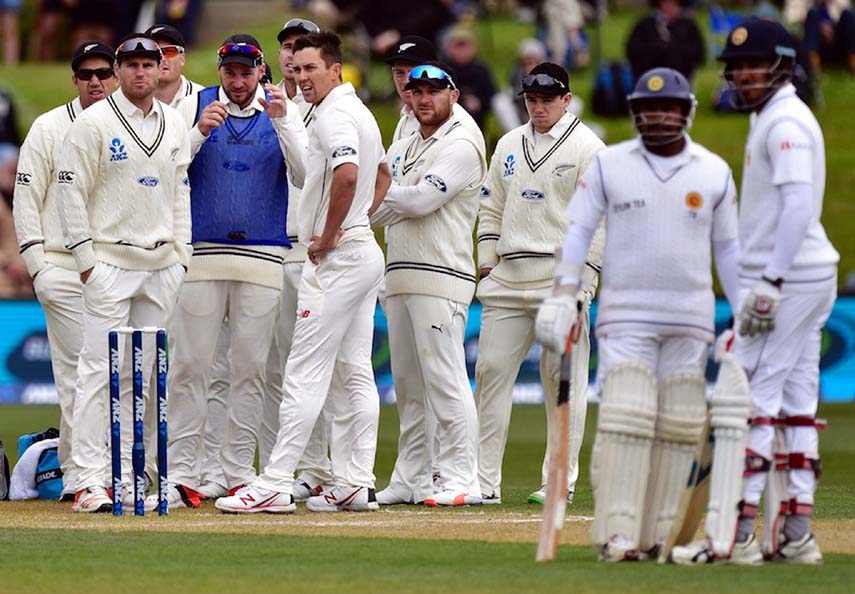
428, 72
241, 49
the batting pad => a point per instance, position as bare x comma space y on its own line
621, 457
679, 424
730, 409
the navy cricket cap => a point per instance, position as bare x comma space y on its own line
88, 49
411, 49
758, 39
240, 49
166, 33
662, 83
546, 79
297, 27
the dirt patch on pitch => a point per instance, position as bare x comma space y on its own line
491, 524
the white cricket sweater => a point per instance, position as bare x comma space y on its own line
35, 208
124, 196
521, 221
435, 195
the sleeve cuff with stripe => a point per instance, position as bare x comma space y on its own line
34, 258
487, 256
84, 255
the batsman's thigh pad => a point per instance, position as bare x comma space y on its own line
679, 424
621, 457
730, 409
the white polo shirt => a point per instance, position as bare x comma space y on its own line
34, 204
344, 131
661, 218
785, 145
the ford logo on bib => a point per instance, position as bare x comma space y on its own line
147, 181
532, 196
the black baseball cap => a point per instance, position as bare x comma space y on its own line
297, 26
91, 48
236, 49
138, 44
411, 49
546, 79
166, 33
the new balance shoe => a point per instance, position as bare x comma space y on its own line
212, 490
699, 552
387, 497
619, 548
452, 499
804, 551
344, 498
301, 490
92, 500
436, 479
177, 497
253, 500
539, 496
492, 499
746, 552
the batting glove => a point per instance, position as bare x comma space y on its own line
759, 308
723, 344
556, 317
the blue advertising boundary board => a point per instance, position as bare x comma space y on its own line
26, 376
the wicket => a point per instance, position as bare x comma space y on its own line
138, 451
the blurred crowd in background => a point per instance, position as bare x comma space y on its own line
669, 34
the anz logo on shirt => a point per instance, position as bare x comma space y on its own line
117, 150
510, 165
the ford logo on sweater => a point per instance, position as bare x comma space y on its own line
532, 195
147, 181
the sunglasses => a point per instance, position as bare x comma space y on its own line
171, 51
307, 26
542, 80
241, 49
88, 73
138, 44
428, 72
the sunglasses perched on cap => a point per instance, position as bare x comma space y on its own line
241, 49
88, 73
138, 44
301, 24
171, 51
542, 80
432, 73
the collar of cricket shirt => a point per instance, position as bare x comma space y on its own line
130, 110
235, 109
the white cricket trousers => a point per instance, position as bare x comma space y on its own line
202, 306
60, 293
114, 297
217, 411
507, 334
429, 370
333, 335
783, 372
314, 467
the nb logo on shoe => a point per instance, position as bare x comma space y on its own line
118, 150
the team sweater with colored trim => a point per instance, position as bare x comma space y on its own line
35, 200
521, 221
431, 210
123, 195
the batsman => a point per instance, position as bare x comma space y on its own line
668, 204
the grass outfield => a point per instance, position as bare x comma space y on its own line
490, 549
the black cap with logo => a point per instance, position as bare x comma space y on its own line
138, 44
297, 27
166, 33
240, 49
411, 49
546, 79
88, 49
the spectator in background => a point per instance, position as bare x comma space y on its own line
181, 14
563, 22
387, 20
531, 52
14, 280
830, 34
472, 76
49, 19
669, 37
8, 126
92, 19
9, 11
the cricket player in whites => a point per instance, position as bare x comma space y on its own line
336, 298
533, 173
429, 214
788, 284
50, 264
668, 203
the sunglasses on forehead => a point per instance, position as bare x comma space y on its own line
428, 72
308, 26
241, 49
88, 73
542, 80
138, 44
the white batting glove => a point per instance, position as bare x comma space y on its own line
759, 309
556, 317
723, 344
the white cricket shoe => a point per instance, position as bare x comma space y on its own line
253, 500
452, 499
387, 497
177, 497
212, 490
699, 552
150, 504
620, 548
539, 496
92, 500
301, 490
746, 552
492, 499
804, 551
344, 498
